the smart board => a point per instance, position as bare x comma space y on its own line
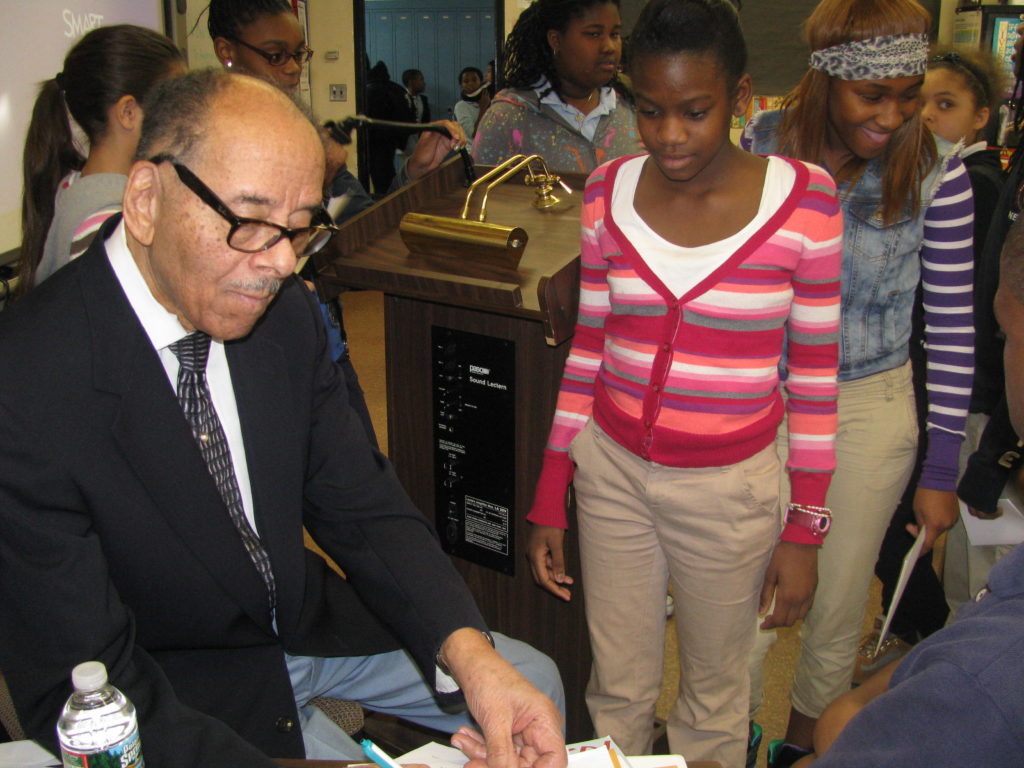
34, 38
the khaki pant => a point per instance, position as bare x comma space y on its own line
875, 451
711, 531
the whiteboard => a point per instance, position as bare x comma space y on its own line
35, 35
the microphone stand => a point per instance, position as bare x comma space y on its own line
341, 133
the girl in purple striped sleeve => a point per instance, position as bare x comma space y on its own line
908, 221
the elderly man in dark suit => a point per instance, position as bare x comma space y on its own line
154, 483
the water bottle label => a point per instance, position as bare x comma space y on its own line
127, 754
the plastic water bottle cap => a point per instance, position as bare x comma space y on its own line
89, 676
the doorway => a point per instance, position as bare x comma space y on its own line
438, 37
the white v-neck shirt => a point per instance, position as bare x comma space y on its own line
678, 267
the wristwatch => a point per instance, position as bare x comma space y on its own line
818, 522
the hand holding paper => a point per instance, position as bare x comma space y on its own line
1007, 528
936, 510
901, 584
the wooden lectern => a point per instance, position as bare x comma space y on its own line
474, 358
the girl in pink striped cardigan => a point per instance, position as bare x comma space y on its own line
710, 278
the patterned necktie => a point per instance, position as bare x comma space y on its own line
194, 396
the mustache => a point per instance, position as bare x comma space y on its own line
266, 286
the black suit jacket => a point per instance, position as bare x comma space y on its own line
116, 546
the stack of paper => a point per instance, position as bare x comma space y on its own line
596, 753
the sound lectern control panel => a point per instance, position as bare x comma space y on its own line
474, 446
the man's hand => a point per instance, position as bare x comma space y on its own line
791, 578
432, 148
521, 726
938, 511
546, 553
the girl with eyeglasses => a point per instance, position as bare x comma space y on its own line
68, 193
264, 38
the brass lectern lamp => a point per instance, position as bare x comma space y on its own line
478, 239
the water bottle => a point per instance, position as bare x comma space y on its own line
97, 727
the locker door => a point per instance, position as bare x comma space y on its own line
444, 89
423, 55
404, 55
380, 37
468, 39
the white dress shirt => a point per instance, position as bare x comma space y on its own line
163, 329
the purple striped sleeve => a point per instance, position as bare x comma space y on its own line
947, 278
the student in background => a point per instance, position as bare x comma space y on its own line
264, 38
415, 86
960, 92
908, 220
700, 262
474, 102
490, 79
419, 106
385, 100
563, 100
105, 77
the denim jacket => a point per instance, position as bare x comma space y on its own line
881, 264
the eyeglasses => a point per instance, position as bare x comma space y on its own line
254, 235
280, 58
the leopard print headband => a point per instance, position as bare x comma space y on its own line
877, 58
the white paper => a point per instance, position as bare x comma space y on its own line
1005, 529
594, 757
657, 761
435, 755
25, 754
908, 566
597, 753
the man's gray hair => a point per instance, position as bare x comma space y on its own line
175, 112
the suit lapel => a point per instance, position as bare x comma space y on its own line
274, 455
155, 439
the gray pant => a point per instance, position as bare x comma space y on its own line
391, 683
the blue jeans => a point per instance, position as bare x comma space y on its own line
392, 683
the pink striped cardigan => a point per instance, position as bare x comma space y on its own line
694, 381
